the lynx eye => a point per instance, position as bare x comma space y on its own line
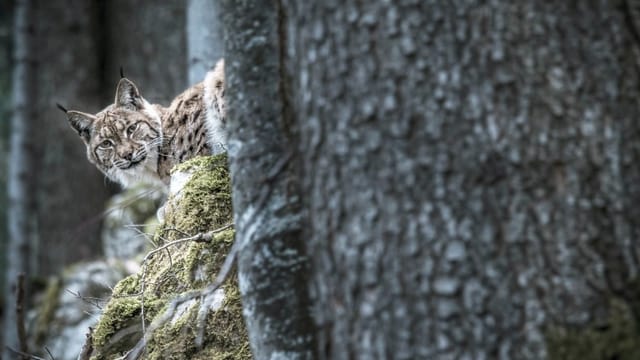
106, 144
132, 128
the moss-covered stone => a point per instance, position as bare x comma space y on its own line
617, 338
203, 204
121, 318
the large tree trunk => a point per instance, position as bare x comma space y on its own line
71, 191
471, 175
468, 175
20, 181
272, 266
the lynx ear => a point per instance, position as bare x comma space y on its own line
82, 123
127, 95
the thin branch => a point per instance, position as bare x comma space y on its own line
49, 352
94, 301
200, 237
24, 354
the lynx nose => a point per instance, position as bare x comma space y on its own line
127, 156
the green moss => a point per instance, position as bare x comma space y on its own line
226, 329
225, 336
617, 339
127, 286
205, 201
204, 204
207, 258
121, 313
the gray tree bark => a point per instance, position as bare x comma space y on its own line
469, 171
20, 183
272, 265
204, 38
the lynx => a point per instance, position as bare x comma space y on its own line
133, 141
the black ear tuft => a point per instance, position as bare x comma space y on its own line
121, 72
61, 108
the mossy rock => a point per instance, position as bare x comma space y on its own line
204, 204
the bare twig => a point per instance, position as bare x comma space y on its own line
24, 354
94, 301
200, 237
49, 352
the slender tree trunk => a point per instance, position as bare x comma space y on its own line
272, 266
204, 38
470, 172
20, 180
6, 39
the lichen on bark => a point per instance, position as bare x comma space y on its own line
204, 204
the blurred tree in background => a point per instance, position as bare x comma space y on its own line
5, 84
79, 47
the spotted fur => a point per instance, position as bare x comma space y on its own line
132, 141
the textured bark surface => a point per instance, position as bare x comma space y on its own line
20, 185
470, 172
71, 191
272, 266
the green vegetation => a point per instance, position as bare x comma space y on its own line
203, 205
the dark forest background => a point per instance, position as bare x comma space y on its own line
5, 83
80, 46
73, 53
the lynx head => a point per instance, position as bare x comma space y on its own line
123, 139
